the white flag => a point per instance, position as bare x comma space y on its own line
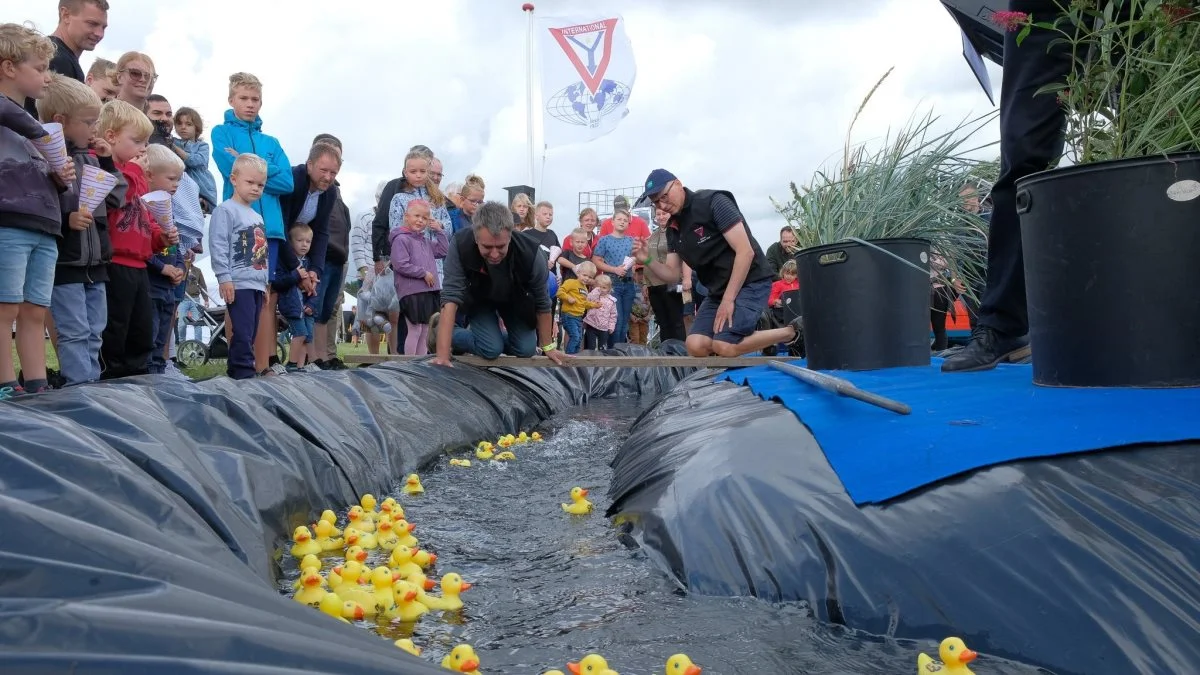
587, 76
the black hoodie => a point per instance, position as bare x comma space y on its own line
83, 256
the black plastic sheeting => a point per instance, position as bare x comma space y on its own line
141, 521
1082, 564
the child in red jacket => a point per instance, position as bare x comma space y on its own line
129, 336
788, 281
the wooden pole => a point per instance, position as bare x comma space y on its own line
836, 385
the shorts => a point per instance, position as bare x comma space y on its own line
272, 257
27, 260
302, 327
748, 308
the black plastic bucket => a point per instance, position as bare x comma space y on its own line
1112, 272
863, 308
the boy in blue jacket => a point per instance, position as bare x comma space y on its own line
242, 133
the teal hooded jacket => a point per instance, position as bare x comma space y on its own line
248, 137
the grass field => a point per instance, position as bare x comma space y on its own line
210, 369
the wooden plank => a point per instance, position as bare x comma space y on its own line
588, 361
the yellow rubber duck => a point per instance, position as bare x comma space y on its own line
310, 592
385, 535
345, 576
356, 537
462, 659
506, 456
401, 562
535, 436
304, 543
412, 485
403, 531
955, 657
326, 538
407, 609
579, 504
392, 507
485, 453
452, 584
381, 583
460, 462
357, 519
422, 584
332, 605
592, 664
308, 562
408, 646
369, 506
423, 558
680, 664
505, 442
330, 517
522, 437
356, 553
352, 610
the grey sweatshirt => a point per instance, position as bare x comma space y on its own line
237, 240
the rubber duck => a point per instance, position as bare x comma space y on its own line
506, 441
308, 562
310, 592
330, 517
955, 657
506, 456
407, 609
424, 559
345, 576
422, 583
408, 646
385, 535
535, 436
326, 538
522, 437
358, 519
352, 610
369, 506
484, 453
462, 659
680, 664
403, 531
381, 583
412, 485
592, 664
365, 540
304, 543
332, 605
452, 584
484, 445
390, 506
401, 562
356, 553
460, 462
579, 504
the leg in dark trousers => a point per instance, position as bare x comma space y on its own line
242, 316
1031, 137
667, 306
164, 321
939, 304
129, 335
594, 338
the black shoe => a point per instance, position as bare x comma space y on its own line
987, 349
321, 363
335, 364
796, 343
431, 340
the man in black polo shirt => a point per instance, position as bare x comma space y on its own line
494, 276
81, 26
708, 232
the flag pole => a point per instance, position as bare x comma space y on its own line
528, 9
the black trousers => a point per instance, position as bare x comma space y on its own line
128, 337
941, 299
667, 306
1031, 137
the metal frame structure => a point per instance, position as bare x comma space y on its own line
602, 200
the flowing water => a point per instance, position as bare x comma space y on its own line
550, 588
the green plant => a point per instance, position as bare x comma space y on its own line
908, 187
1134, 86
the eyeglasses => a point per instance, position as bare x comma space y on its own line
476, 202
662, 196
141, 75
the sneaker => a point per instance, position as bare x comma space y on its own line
335, 364
55, 378
320, 364
172, 370
278, 368
311, 368
10, 392
266, 372
431, 341
293, 368
987, 349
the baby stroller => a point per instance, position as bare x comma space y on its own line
192, 353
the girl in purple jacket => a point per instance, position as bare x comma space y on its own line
414, 262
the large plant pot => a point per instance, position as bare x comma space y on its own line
1112, 272
863, 308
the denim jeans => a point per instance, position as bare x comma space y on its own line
329, 291
483, 336
573, 325
164, 312
80, 314
625, 293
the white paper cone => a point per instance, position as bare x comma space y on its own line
53, 146
94, 185
555, 251
628, 264
159, 204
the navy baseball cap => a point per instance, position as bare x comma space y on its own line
655, 183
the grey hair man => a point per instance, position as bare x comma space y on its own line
492, 276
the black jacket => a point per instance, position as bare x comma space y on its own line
338, 251
381, 247
468, 281
291, 205
83, 256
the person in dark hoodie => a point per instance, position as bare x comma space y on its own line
78, 303
311, 203
166, 269
329, 291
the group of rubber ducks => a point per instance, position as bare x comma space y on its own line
594, 664
499, 451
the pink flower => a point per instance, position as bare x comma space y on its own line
1176, 13
1010, 21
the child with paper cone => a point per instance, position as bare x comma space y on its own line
79, 304
164, 169
135, 236
30, 218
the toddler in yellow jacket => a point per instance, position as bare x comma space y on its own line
575, 303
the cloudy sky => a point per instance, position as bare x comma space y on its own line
745, 96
